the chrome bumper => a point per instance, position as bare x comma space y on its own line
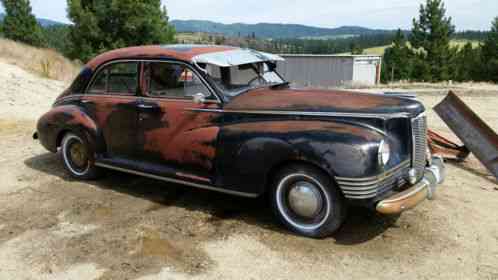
425, 189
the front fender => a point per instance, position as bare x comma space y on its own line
251, 150
67, 118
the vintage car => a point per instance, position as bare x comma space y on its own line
222, 119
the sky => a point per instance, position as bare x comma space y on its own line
381, 14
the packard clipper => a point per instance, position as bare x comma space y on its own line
222, 118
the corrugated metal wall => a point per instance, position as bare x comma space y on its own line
328, 71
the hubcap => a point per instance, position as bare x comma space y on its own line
305, 199
78, 154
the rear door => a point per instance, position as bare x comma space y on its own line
112, 100
175, 133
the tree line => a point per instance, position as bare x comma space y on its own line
427, 55
98, 26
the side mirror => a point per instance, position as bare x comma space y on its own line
199, 98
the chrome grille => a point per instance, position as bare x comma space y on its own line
419, 144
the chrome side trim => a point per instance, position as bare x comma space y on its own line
374, 179
364, 188
177, 181
299, 113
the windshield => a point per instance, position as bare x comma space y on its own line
235, 80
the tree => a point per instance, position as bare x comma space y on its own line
490, 53
431, 35
398, 60
102, 25
20, 24
355, 48
468, 64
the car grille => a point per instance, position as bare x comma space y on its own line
419, 144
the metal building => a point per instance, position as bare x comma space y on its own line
330, 70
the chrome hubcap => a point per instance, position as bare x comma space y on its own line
78, 154
305, 199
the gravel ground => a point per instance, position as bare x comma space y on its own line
126, 227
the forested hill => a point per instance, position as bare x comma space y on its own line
271, 30
43, 22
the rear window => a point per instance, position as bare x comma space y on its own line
117, 78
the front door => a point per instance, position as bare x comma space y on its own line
112, 101
174, 135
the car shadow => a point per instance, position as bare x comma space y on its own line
361, 225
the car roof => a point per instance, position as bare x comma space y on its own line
179, 52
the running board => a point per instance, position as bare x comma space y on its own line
176, 181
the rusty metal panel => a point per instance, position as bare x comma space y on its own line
477, 136
441, 146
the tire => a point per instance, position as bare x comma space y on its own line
77, 157
307, 202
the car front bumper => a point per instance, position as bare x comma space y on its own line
424, 189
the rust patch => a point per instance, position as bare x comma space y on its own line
314, 100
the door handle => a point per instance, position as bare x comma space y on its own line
86, 101
144, 106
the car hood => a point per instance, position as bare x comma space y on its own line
325, 101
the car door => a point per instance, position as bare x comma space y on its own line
112, 101
177, 136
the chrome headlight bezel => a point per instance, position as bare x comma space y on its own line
384, 153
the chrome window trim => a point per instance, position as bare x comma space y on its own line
176, 181
193, 69
101, 68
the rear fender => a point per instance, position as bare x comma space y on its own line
68, 118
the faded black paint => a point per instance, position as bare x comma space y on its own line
236, 151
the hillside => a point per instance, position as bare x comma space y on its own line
43, 22
271, 30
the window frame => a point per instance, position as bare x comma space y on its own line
211, 98
141, 92
105, 67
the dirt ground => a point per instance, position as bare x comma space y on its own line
126, 227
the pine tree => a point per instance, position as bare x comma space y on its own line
20, 24
398, 60
431, 37
468, 63
490, 54
102, 25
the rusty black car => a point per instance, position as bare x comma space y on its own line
223, 119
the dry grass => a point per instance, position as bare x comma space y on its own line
47, 63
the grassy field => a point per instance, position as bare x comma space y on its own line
454, 43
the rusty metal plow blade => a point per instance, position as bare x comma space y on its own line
477, 136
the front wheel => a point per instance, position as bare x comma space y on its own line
307, 202
76, 156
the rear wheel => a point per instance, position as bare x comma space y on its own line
76, 156
307, 202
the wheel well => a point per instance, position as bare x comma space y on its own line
275, 169
60, 136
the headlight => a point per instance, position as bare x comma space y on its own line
384, 153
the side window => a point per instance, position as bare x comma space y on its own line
172, 80
117, 78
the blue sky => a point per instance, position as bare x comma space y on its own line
391, 14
